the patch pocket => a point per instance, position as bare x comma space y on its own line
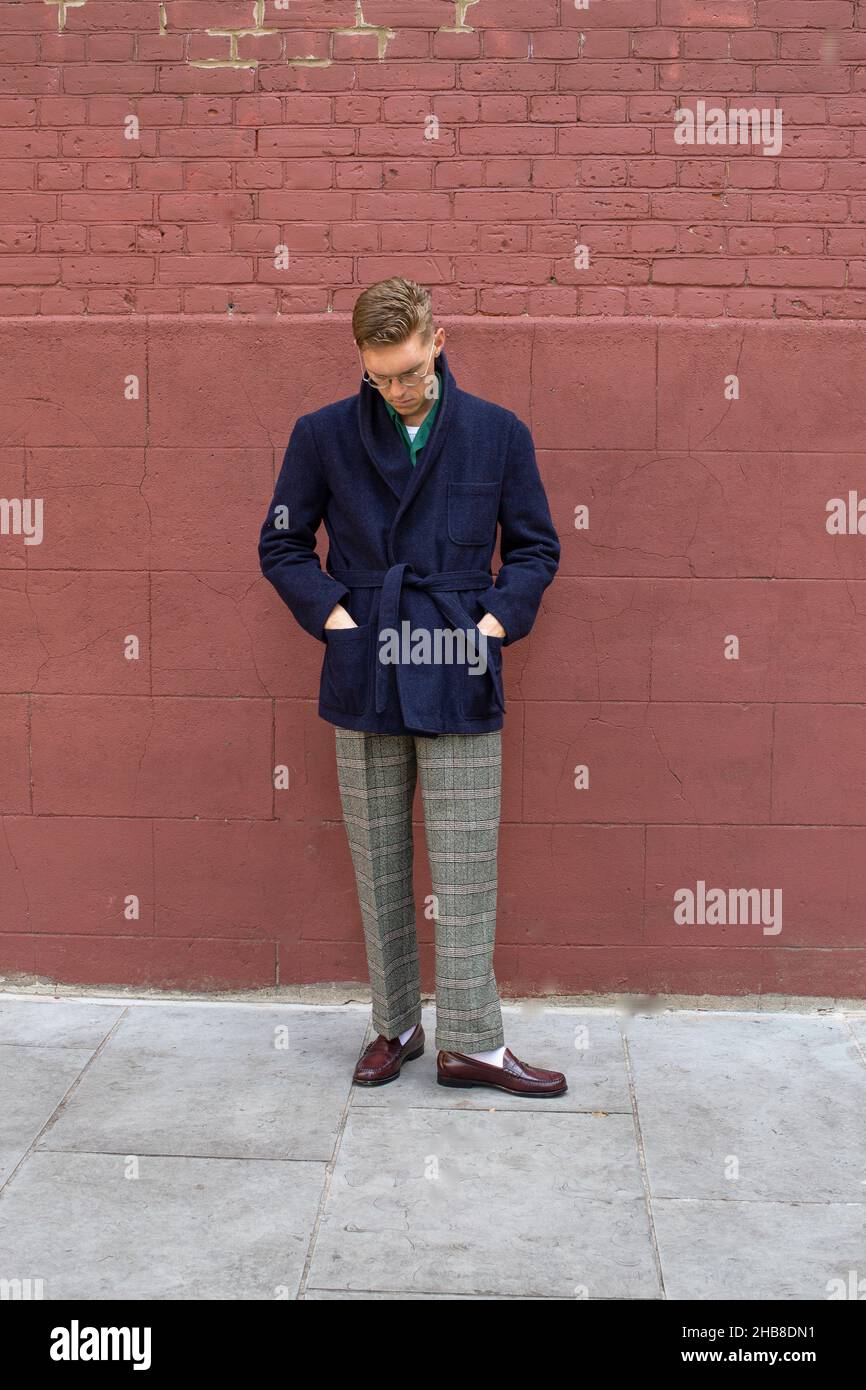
347, 679
472, 512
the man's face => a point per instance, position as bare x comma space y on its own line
412, 355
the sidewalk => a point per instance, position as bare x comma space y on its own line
154, 1149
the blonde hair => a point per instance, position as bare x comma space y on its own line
390, 312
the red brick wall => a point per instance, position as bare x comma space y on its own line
260, 128
701, 651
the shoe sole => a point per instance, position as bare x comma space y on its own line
410, 1056
495, 1086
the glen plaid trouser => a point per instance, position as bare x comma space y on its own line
460, 791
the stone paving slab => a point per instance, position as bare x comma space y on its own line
775, 1107
496, 1203
183, 1228
215, 1082
759, 1250
153, 1148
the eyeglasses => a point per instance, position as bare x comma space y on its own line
405, 378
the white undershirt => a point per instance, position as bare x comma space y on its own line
412, 430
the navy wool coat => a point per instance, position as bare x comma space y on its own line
410, 551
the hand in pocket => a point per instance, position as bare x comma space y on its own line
339, 617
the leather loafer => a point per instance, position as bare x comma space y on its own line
382, 1059
456, 1069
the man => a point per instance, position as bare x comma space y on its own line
411, 476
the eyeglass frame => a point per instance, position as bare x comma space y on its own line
418, 376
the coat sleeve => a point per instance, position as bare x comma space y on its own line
287, 542
529, 547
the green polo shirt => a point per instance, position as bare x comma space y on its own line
413, 445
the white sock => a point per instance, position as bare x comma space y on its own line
406, 1031
494, 1057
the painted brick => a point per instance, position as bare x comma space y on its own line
153, 259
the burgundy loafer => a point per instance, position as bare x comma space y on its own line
456, 1069
382, 1059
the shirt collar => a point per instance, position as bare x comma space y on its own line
398, 418
417, 444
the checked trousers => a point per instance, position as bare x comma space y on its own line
460, 791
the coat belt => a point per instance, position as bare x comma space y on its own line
392, 581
